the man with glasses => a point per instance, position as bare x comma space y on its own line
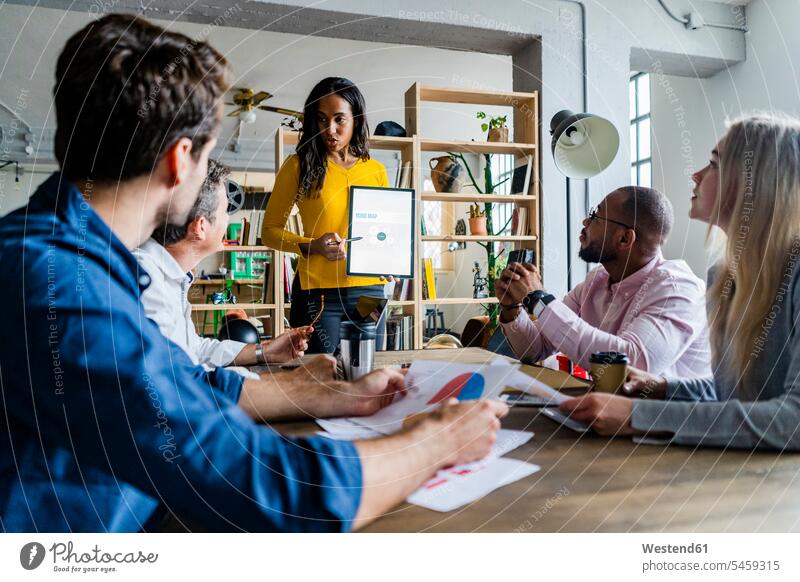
635, 302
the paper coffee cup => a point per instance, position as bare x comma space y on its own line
609, 371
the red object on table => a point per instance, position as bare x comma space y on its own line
566, 365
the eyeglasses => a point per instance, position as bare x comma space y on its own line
319, 313
594, 216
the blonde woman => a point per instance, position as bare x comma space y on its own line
751, 190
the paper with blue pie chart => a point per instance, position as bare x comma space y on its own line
383, 219
430, 383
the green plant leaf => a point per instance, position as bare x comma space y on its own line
484, 126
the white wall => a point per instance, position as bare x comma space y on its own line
767, 80
683, 135
284, 64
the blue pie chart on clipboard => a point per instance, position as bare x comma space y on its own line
467, 386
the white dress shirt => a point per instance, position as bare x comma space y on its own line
166, 301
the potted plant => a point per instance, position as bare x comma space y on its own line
477, 220
494, 260
495, 126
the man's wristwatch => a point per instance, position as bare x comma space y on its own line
260, 359
536, 301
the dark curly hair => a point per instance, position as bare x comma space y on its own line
126, 90
311, 150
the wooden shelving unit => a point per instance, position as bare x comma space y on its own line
470, 197
226, 306
459, 301
525, 116
276, 322
244, 248
221, 282
475, 238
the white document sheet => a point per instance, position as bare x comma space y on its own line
431, 382
344, 429
454, 487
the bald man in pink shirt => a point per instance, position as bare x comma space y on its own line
635, 302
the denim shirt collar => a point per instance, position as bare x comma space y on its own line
77, 214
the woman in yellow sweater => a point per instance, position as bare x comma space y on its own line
332, 155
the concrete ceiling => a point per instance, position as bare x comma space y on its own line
268, 16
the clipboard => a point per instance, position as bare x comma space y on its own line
384, 218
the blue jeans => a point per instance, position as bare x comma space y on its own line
340, 304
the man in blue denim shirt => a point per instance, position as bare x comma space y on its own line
103, 421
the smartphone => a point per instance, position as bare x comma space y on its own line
522, 256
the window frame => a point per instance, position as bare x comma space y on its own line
636, 123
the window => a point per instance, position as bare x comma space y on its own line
432, 217
502, 169
438, 219
641, 159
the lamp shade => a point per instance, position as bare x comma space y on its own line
583, 144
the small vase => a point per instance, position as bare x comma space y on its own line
498, 134
477, 226
447, 174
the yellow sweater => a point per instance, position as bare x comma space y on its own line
327, 212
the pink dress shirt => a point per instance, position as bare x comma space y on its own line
657, 316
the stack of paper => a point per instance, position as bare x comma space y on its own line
429, 383
455, 486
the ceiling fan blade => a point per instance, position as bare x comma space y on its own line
282, 111
260, 96
236, 112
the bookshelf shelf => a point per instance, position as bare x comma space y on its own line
474, 198
459, 301
223, 281
477, 97
476, 147
471, 238
226, 306
245, 248
377, 142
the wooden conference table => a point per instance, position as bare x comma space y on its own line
590, 483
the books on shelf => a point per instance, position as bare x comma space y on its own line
403, 290
519, 221
248, 229
288, 277
245, 232
268, 291
404, 176
294, 224
256, 222
399, 332
521, 179
428, 280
